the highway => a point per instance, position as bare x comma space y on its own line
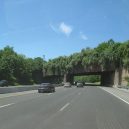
67, 108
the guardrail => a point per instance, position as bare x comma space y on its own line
13, 89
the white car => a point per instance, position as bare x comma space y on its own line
67, 84
79, 84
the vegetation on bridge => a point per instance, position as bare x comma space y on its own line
106, 54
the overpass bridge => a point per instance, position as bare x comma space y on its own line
110, 76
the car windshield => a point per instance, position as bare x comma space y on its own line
64, 64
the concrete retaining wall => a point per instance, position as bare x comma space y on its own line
13, 89
119, 78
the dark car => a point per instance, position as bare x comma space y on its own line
46, 87
79, 84
3, 83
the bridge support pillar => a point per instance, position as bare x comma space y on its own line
120, 77
117, 77
68, 78
107, 79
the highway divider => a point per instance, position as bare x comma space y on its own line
13, 89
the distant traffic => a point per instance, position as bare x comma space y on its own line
49, 87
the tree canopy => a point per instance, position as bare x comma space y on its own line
18, 69
105, 54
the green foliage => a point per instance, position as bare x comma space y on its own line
107, 55
89, 78
17, 69
127, 79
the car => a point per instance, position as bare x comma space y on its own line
79, 84
67, 84
46, 87
3, 83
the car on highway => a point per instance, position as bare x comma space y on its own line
67, 84
79, 84
3, 83
46, 87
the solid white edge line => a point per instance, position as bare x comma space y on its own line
116, 96
66, 105
6, 105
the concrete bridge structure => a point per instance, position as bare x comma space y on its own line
109, 76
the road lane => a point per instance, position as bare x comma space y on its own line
23, 96
120, 94
68, 108
38, 109
93, 109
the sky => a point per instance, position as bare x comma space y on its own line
52, 28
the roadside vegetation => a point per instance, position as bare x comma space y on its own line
18, 69
127, 79
87, 79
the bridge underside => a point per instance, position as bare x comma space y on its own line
107, 78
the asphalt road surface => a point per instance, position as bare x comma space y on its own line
67, 108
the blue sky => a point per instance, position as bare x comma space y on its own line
61, 27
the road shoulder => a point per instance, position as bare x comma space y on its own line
119, 93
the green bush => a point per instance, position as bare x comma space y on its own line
89, 78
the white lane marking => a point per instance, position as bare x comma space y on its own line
116, 96
6, 105
66, 105
79, 93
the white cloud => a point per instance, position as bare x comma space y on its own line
62, 28
66, 29
83, 36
